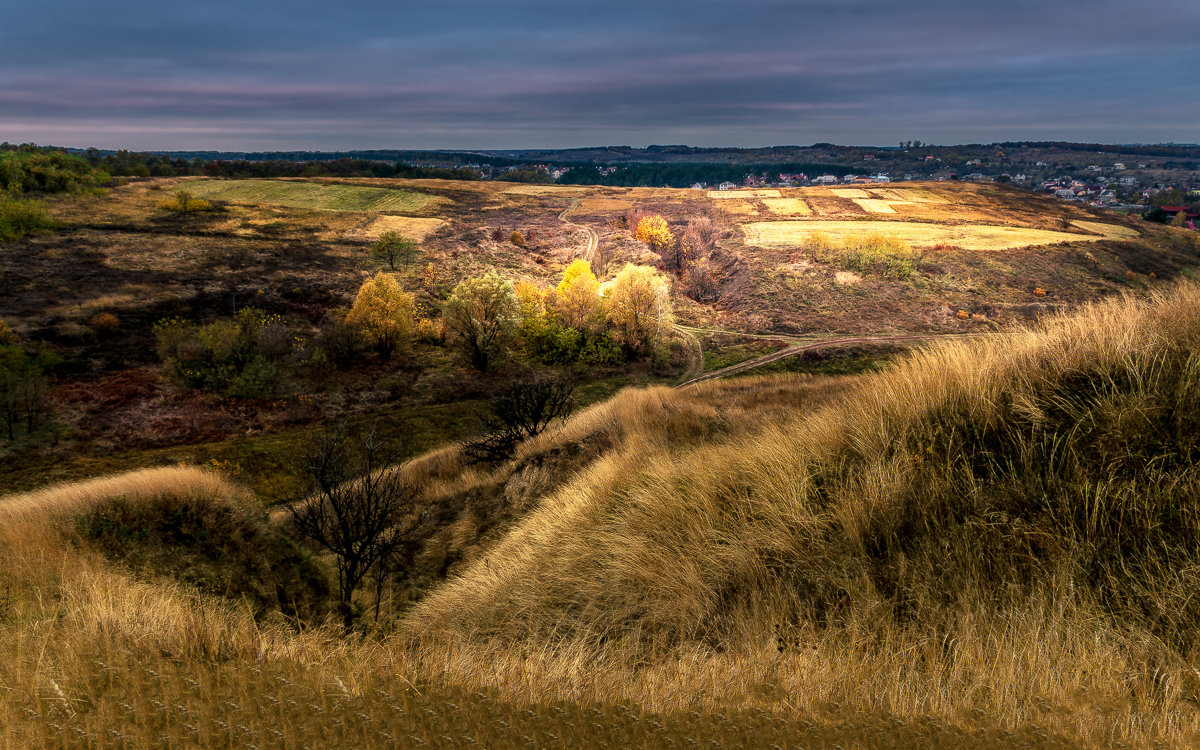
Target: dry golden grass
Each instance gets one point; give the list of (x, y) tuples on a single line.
[(985, 536), (778, 557), (743, 194), (740, 208), (605, 204), (909, 195), (787, 206), (966, 236)]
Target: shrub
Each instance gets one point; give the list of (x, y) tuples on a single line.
[(517, 239), (185, 203), (104, 323), (7, 336), (521, 412), (881, 255)]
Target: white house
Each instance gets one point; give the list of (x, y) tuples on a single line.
[(726, 186), (825, 179)]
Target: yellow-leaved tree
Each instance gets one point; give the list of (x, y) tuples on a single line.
[(578, 296), (639, 307), (653, 230), (384, 312)]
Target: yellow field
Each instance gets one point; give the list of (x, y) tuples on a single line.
[(730, 194), (877, 205), (966, 236), (1108, 230), (850, 193), (787, 206), (408, 226)]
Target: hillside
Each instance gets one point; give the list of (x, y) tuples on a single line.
[(992, 542)]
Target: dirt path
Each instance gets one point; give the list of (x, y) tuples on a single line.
[(799, 347), (593, 239)]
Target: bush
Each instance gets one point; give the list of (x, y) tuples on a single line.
[(521, 412), (185, 203), (240, 357), (517, 239), (881, 255), (384, 313), (104, 323), (20, 217)]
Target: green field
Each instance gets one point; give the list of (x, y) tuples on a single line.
[(311, 195)]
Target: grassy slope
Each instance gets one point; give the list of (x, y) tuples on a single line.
[(1005, 526), (323, 196), (1000, 535)]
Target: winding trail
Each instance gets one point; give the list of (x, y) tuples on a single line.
[(593, 238), (799, 347)]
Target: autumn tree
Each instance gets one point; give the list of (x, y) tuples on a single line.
[(578, 296), (481, 318), (653, 230), (384, 312), (639, 307), (393, 248)]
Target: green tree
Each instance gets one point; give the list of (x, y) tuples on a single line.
[(393, 248), (482, 316)]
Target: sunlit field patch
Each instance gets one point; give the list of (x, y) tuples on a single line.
[(1108, 230), (788, 206), (733, 194), (850, 193), (877, 205), (966, 236), (408, 226), (321, 196)]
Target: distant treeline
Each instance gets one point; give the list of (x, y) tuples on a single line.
[(686, 175), (1191, 151)]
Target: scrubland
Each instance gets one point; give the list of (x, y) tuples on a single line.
[(991, 542)]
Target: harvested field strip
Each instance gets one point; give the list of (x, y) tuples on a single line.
[(1108, 230), (408, 226), (877, 206), (729, 194), (743, 208), (546, 190), (910, 195), (605, 204), (850, 193), (966, 236), (293, 194), (788, 206)]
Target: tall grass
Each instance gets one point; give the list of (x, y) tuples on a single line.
[(994, 541), (1008, 526)]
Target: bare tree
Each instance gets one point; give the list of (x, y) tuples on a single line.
[(358, 507), (522, 411)]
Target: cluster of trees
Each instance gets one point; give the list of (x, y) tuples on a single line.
[(688, 255), (686, 175), (25, 170)]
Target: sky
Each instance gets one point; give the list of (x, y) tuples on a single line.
[(498, 74)]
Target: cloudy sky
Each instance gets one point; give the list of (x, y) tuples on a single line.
[(302, 74)]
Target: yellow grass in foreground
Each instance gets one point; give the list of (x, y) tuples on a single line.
[(966, 236)]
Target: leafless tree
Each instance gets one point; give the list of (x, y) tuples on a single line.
[(358, 506)]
